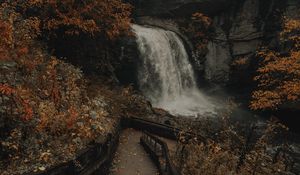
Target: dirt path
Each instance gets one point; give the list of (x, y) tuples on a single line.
[(130, 158)]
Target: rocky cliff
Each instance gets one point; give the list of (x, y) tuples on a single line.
[(240, 27), (178, 8)]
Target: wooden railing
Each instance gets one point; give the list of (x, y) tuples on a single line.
[(159, 152), (97, 158), (158, 129)]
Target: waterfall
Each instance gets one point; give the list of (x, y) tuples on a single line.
[(165, 74)]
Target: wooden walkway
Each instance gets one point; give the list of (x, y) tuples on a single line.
[(130, 158)]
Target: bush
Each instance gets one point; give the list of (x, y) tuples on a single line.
[(233, 149), (278, 76), (46, 115), (108, 18)]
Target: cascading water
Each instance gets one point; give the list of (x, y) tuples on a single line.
[(165, 75)]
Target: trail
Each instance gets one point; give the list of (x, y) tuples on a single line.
[(130, 158)]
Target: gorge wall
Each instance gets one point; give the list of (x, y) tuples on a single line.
[(240, 27)]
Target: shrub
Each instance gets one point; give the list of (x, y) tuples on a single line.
[(278, 75), (110, 18), (232, 152)]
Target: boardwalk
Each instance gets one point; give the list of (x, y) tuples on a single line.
[(130, 158)]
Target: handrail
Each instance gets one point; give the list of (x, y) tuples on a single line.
[(159, 152), (104, 151), (159, 129)]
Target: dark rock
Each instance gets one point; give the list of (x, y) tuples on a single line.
[(240, 31), (178, 8), (240, 25), (128, 55)]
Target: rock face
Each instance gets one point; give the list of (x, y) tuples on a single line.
[(239, 33), (218, 59), (178, 8), (241, 26), (240, 39)]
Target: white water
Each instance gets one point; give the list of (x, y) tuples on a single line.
[(165, 75)]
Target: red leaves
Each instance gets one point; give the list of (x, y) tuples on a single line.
[(198, 30), (52, 74), (110, 18), (73, 114), (6, 90), (25, 106), (22, 51), (5, 39), (27, 110), (201, 18)]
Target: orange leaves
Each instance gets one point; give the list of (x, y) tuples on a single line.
[(115, 18), (278, 80), (47, 93), (240, 61), (110, 18), (201, 18), (22, 51), (267, 55), (265, 99), (291, 32), (22, 98), (198, 29), (6, 90), (291, 25), (5, 39), (16, 37), (279, 75), (6, 32), (15, 95), (230, 151), (77, 25), (291, 89), (28, 111), (35, 25), (50, 79), (73, 114)]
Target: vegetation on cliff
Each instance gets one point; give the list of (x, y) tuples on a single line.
[(50, 110), (109, 18), (47, 112), (278, 75), (233, 148)]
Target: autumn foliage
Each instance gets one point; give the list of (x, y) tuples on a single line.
[(46, 114), (18, 102), (198, 30), (5, 35), (279, 72), (110, 18), (229, 150)]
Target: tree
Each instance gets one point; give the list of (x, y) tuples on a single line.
[(198, 29), (279, 72), (110, 18)]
